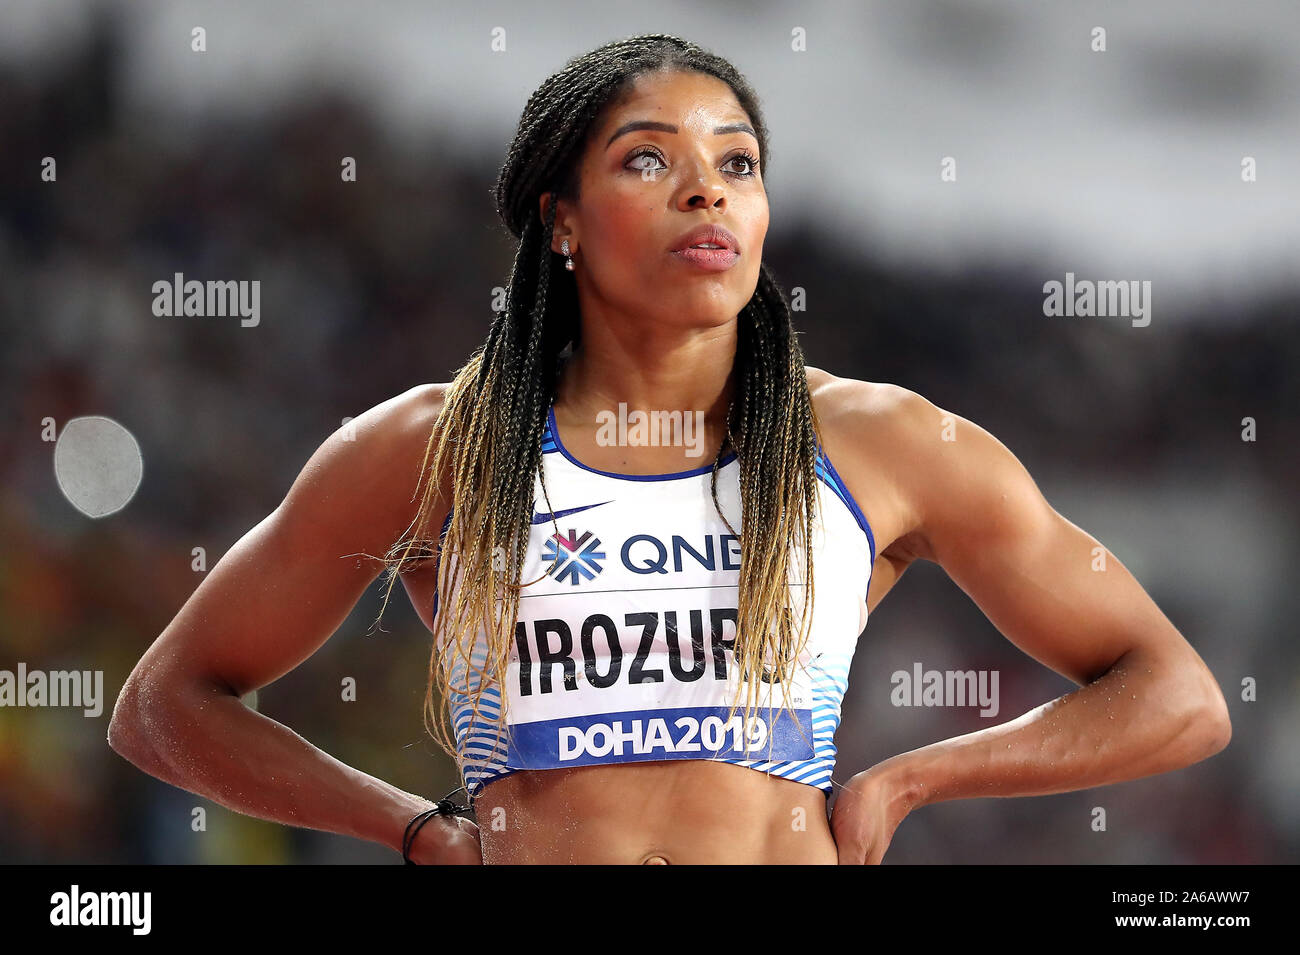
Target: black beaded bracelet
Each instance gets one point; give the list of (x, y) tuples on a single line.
[(443, 807)]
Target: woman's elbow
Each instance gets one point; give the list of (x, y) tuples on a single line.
[(1207, 714), (144, 711), (1195, 706), (125, 727), (1217, 721)]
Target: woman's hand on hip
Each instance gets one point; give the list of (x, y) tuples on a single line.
[(447, 840), (866, 813)]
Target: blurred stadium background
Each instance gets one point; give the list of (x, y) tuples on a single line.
[(1123, 164)]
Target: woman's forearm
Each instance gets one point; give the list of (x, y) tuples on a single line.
[(208, 742), (1143, 716)]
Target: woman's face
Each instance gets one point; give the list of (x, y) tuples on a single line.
[(643, 189)]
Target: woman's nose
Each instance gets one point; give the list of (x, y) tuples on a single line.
[(701, 193)]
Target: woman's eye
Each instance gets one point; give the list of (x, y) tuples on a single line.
[(750, 163), (643, 167)]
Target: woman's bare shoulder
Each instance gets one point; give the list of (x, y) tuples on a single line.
[(406, 424), (396, 431), (870, 430), (366, 478), (855, 402), (417, 408), (408, 418)]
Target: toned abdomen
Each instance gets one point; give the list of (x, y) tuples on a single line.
[(683, 812)]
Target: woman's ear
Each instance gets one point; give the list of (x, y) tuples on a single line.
[(562, 229)]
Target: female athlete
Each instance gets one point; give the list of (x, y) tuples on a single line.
[(616, 683)]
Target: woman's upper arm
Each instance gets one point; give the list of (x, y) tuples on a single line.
[(1047, 585), (284, 587)]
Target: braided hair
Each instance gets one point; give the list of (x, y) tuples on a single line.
[(488, 434)]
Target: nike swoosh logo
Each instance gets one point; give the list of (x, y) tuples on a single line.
[(539, 518)]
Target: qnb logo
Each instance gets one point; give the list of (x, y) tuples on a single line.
[(574, 558)]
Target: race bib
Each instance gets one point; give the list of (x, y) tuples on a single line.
[(597, 692)]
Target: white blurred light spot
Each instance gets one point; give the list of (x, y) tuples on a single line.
[(97, 464)]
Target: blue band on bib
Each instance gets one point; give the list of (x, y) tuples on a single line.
[(701, 732)]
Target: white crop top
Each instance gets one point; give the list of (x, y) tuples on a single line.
[(623, 653)]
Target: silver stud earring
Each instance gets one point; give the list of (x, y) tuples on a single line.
[(564, 250)]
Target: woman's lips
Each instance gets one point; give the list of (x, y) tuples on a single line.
[(711, 260)]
